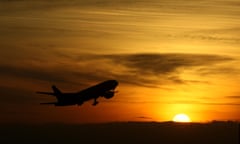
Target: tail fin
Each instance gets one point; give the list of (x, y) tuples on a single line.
[(56, 91)]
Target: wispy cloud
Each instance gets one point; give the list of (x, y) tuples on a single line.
[(31, 73), (147, 70), (166, 63), (144, 117), (205, 102), (233, 97), (169, 6), (216, 34)]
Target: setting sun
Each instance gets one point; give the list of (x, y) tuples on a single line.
[(181, 118)]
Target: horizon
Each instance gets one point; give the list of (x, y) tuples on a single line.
[(131, 132)]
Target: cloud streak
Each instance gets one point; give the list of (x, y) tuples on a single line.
[(146, 70), (233, 97)]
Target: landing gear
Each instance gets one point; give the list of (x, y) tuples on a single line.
[(95, 102)]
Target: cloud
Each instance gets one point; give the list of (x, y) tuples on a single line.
[(46, 4), (143, 117), (164, 5), (30, 72), (216, 34), (166, 67), (206, 7), (196, 102), (159, 64), (147, 70), (233, 97)]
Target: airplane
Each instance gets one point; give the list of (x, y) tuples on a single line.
[(104, 89)]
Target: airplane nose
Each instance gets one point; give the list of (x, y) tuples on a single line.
[(112, 83), (115, 82)]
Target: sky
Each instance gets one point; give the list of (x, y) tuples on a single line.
[(169, 57)]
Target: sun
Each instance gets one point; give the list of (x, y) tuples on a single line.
[(181, 118)]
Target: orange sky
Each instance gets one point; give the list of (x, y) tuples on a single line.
[(169, 57)]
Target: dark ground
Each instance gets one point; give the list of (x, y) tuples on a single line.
[(122, 133)]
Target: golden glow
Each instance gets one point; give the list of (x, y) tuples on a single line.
[(181, 118), (156, 53)]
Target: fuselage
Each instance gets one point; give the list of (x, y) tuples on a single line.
[(105, 89)]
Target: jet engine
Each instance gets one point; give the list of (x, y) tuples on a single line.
[(108, 94)]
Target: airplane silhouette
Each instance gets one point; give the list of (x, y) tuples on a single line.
[(104, 89)]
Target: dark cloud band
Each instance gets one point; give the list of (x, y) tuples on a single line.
[(146, 70)]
